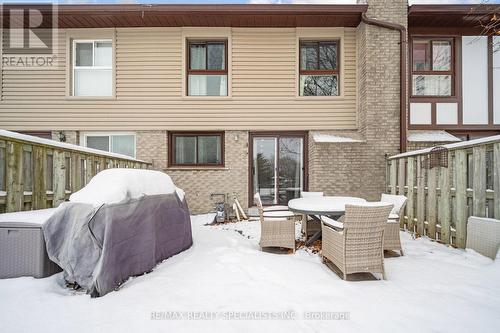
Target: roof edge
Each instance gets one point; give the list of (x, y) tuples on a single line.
[(296, 9), (460, 9)]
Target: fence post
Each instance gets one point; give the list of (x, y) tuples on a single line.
[(59, 178), (14, 175), (39, 194), (479, 183), (496, 179), (444, 202), (410, 207), (461, 197)]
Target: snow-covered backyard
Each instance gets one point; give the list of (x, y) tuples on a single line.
[(225, 276)]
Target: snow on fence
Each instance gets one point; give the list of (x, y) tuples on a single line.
[(440, 199), (38, 173)]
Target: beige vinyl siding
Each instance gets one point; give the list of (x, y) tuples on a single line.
[(149, 88)]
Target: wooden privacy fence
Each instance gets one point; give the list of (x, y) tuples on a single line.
[(39, 173), (440, 198)]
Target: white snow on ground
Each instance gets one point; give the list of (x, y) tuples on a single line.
[(118, 185), (432, 288)]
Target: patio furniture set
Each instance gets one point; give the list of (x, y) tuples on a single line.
[(354, 232)]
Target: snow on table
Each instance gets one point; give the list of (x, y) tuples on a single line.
[(432, 288)]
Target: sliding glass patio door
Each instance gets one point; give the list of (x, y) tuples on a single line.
[(277, 167)]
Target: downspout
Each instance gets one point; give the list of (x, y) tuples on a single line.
[(402, 70)]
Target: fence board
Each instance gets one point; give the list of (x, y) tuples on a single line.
[(444, 203), (410, 181), (89, 165), (393, 175), (479, 181), (59, 178), (431, 202), (39, 195), (496, 180), (401, 176), (420, 195), (76, 169), (14, 184), (461, 197)]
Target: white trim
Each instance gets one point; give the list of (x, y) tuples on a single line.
[(97, 68), (84, 135), (208, 34)]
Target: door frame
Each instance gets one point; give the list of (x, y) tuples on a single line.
[(277, 134)]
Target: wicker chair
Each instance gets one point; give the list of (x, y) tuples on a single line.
[(277, 228), (392, 239), (309, 227), (359, 246), (273, 208)]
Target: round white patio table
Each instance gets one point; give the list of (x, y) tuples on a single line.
[(316, 207)]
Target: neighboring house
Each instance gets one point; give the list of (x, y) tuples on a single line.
[(270, 98), (454, 81)]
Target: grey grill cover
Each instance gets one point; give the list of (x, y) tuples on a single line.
[(100, 248)]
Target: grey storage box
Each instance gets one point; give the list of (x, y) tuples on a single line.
[(22, 246)]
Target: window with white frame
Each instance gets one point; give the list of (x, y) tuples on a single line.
[(120, 143), (92, 68)]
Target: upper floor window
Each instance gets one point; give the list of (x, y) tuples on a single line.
[(432, 68), (195, 149), (319, 68), (120, 143), (92, 68), (207, 68)]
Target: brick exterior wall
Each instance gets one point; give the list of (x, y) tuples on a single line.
[(151, 146), (358, 169), (232, 179), (199, 183)]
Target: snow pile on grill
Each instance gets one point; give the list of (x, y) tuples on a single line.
[(120, 185)]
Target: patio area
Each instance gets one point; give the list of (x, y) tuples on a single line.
[(224, 275)]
